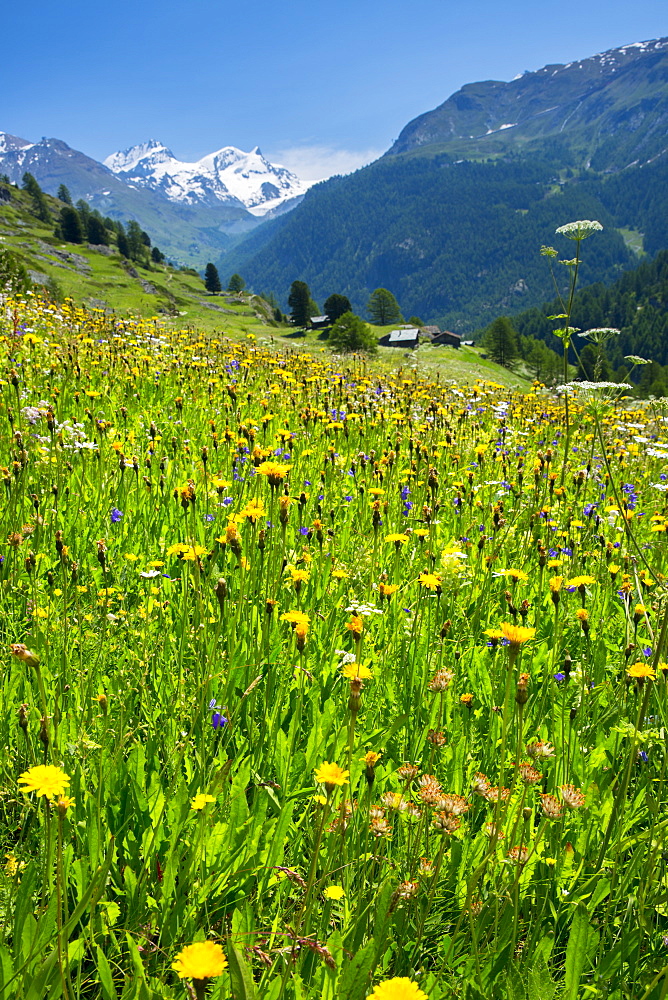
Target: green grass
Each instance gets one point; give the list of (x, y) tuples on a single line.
[(426, 590), (634, 240)]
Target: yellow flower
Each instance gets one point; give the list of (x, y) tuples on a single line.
[(555, 584), (352, 670), (201, 960), (193, 552), (387, 589), (581, 581), (177, 549), (430, 580), (253, 510), (339, 574), (295, 618), (334, 892), (399, 988), (298, 575), (371, 758), (516, 634), (45, 779), (582, 615), (274, 472), (641, 670), (398, 539), (330, 775), (201, 800), (356, 626)]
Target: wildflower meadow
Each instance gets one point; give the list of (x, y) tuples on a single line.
[(323, 679)]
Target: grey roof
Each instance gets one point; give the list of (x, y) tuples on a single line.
[(319, 319), (403, 336)]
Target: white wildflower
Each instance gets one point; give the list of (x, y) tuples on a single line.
[(579, 230)]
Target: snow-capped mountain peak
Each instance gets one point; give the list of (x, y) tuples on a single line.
[(228, 175)]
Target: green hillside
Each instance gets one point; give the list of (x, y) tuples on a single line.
[(636, 305), (457, 243), (452, 217), (100, 277)]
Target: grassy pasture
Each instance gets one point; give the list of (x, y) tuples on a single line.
[(352, 671)]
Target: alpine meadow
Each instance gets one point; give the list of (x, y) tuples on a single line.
[(335, 644)]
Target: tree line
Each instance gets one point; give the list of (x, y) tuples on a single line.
[(79, 223)]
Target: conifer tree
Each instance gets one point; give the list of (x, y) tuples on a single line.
[(383, 308), (97, 232), (500, 341), (40, 204), (211, 279), (71, 229), (336, 305), (300, 303), (64, 194)]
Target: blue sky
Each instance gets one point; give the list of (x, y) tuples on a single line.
[(320, 86)]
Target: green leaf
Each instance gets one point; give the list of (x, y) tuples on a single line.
[(581, 940), (241, 976), (106, 978), (353, 984), (539, 984), (6, 970)]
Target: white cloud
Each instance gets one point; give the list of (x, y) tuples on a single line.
[(317, 163)]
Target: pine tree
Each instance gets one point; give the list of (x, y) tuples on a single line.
[(40, 204), (136, 243), (97, 233), (236, 284), (501, 342), (211, 279), (122, 241), (64, 194), (335, 306), (157, 256), (71, 229), (300, 303), (383, 308)]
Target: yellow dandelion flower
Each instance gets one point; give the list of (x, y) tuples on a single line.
[(201, 960), (398, 539), (45, 779), (334, 892), (515, 574), (274, 471), (295, 618), (398, 988), (430, 580), (581, 581), (355, 626), (516, 635), (330, 775), (639, 671), (351, 670)]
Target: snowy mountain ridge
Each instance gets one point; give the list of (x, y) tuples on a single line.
[(228, 175)]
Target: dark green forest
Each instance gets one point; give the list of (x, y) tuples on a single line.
[(636, 305), (457, 243)]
